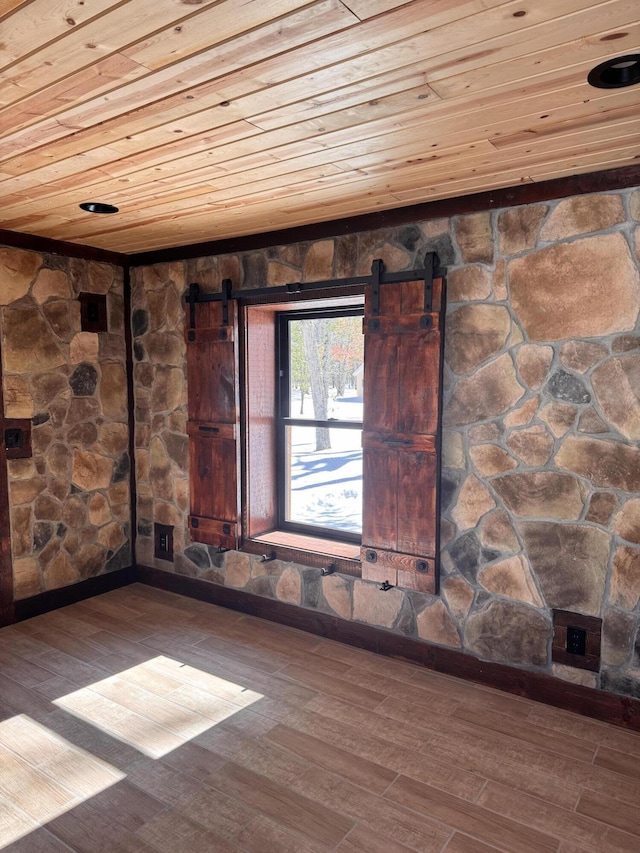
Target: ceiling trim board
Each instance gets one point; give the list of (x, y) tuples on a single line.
[(34, 243)]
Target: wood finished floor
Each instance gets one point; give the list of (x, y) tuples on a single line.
[(141, 721)]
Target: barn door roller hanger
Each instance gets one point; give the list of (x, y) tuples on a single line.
[(378, 277)]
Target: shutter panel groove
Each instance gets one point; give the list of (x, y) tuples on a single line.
[(213, 430), (400, 436)]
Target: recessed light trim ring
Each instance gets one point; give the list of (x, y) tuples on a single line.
[(616, 73), (98, 207)]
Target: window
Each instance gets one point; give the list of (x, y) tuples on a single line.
[(259, 479), (271, 512), (319, 422)]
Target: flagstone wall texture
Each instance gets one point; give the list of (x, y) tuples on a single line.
[(70, 501), (541, 455)]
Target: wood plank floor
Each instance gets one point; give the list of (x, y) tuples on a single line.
[(144, 722)]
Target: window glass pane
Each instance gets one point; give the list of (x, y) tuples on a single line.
[(326, 358), (324, 487)]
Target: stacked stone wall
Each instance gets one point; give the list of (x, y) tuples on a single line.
[(69, 502), (541, 459)]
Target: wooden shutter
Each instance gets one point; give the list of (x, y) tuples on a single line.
[(213, 428), (402, 358)]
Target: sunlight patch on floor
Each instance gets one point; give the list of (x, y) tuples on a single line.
[(158, 705), (42, 775)]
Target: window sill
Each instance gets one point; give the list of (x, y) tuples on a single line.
[(307, 550)]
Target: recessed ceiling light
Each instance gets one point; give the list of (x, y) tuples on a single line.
[(98, 207), (616, 73)]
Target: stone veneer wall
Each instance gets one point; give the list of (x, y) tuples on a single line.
[(541, 475), (70, 515)]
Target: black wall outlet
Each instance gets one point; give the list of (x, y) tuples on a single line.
[(163, 542), (93, 312), (576, 641)]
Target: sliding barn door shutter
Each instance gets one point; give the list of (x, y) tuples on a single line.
[(213, 427), (400, 433)]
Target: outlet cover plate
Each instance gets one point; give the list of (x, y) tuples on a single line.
[(568, 625), (163, 542)]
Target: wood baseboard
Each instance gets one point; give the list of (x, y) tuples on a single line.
[(611, 708), (53, 599)]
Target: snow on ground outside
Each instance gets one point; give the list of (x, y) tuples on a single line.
[(326, 485)]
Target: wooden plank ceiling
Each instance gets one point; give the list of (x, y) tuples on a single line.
[(206, 119)]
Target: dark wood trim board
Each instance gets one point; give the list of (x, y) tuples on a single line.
[(53, 599), (611, 708), (6, 563), (33, 243), (128, 343)]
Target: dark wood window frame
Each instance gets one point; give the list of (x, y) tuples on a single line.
[(232, 354), (285, 418), (259, 420)]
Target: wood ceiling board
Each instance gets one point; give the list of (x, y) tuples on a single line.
[(115, 70), (324, 118), (170, 94), (114, 200), (587, 164), (115, 146), (368, 8), (313, 207), (623, 155), (202, 198), (468, 128), (578, 54), (8, 6), (386, 106), (226, 20), (406, 185), (129, 129), (602, 123), (378, 33), (200, 182), (36, 24), (365, 129), (381, 57), (119, 169), (398, 80), (286, 41), (573, 20), (85, 45), (563, 146), (320, 158), (245, 190), (355, 96), (129, 98), (560, 98), (405, 179)]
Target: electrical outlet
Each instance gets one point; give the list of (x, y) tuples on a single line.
[(163, 542), (93, 312), (13, 439), (17, 438), (576, 641)]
